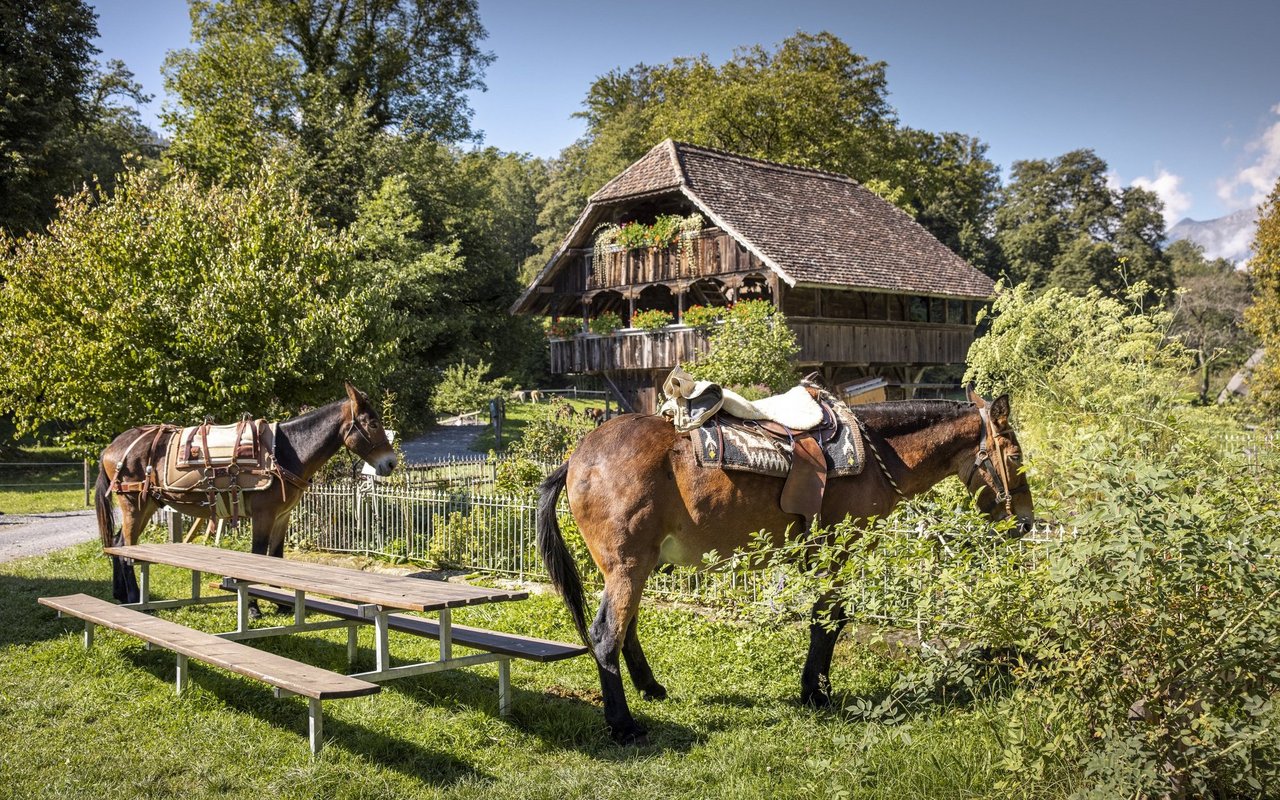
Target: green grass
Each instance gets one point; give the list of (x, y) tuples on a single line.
[(56, 489), (106, 723)]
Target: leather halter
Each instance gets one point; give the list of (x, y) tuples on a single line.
[(995, 474), (354, 426)]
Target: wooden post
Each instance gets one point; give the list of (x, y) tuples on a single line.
[(175, 526), (86, 483)]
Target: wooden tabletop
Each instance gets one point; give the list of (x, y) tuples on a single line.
[(391, 591)]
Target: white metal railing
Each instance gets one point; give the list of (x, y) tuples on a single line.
[(468, 527)]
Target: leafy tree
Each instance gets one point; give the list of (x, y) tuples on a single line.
[(1263, 314), (1061, 225), (171, 301), (60, 124), (812, 102), (752, 347), (1209, 309), (263, 73)]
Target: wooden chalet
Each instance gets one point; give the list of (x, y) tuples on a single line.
[(868, 291)]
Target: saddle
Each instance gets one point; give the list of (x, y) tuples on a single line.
[(830, 447), (221, 461)]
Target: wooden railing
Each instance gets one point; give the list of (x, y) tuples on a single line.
[(821, 341), (707, 254)]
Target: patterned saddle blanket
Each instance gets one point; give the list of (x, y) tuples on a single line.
[(832, 449), (740, 445)]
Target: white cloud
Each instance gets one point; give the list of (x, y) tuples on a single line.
[(1166, 186), (1251, 185)]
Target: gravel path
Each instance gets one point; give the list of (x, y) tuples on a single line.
[(34, 534), (444, 442)]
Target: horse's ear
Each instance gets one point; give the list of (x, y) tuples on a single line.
[(353, 393), (1000, 411), (973, 396)]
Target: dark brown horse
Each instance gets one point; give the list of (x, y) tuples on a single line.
[(130, 464), (641, 500)]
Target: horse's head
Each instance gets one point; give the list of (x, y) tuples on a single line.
[(994, 473), (363, 434)]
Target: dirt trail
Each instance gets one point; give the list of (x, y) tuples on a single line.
[(34, 534)]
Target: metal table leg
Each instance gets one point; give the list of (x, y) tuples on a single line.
[(446, 634), (504, 687), (315, 725)]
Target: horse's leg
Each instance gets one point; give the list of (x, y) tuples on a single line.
[(829, 618), (263, 538), (638, 665), (134, 515), (618, 604)]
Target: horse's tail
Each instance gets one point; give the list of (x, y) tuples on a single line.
[(102, 506), (555, 554)]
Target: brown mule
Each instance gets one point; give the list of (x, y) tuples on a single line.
[(302, 445), (641, 500)]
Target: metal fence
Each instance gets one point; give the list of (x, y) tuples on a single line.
[(47, 475), (473, 528)]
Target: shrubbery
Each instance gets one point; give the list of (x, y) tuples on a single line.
[(753, 346), (1138, 655), (464, 388), (548, 438), (172, 300)]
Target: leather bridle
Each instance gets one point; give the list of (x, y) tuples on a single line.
[(353, 426), (995, 473)]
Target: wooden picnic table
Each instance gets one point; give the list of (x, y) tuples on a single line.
[(376, 596), (360, 598)]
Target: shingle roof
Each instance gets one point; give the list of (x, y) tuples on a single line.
[(810, 226)]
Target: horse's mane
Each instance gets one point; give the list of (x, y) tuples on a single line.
[(907, 416)]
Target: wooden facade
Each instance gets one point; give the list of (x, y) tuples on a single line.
[(822, 342), (868, 292)]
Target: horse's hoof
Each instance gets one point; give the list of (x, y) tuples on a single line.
[(654, 691), (254, 613), (816, 699), (634, 736)]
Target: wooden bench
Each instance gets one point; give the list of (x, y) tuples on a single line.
[(286, 675), (506, 644)]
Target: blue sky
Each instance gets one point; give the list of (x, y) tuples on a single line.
[(1182, 97)]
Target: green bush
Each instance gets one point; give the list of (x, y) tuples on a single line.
[(1136, 656), (190, 301), (463, 388), (753, 346), (548, 438)]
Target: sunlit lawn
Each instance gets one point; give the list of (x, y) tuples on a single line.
[(106, 723), (59, 488)]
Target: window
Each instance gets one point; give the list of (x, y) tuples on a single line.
[(955, 312), (918, 309)]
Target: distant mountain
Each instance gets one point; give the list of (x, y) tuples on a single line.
[(1225, 237)]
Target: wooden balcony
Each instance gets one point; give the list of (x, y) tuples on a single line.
[(821, 342), (710, 253), (626, 350)]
